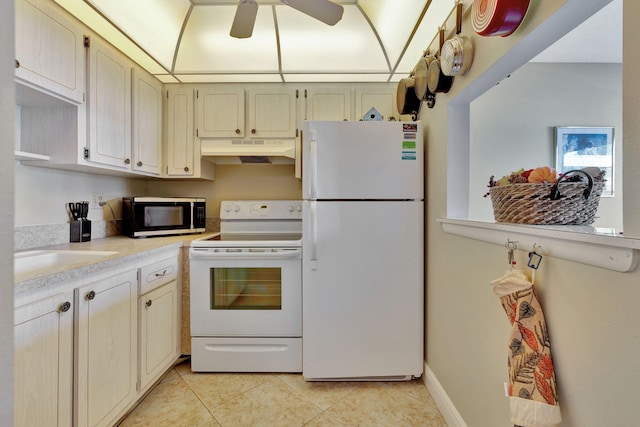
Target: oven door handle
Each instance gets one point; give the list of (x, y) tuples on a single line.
[(262, 253)]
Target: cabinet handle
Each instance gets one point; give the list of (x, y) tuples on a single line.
[(139, 163), (253, 131), (148, 303), (164, 273), (238, 131), (127, 161), (64, 307), (186, 168), (90, 295), (17, 64)]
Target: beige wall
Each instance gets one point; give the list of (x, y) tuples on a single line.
[(631, 112), (590, 311), (42, 194), (7, 103), (236, 182)]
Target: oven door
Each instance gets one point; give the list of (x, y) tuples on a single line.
[(246, 292)]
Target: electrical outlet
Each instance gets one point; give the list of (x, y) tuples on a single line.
[(96, 199)]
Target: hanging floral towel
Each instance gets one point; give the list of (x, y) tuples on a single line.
[(532, 380)]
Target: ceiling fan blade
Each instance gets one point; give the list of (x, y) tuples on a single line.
[(244, 20), (322, 10)]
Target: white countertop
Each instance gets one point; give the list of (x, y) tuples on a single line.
[(127, 249)]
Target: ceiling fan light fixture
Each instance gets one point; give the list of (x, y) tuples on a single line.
[(244, 19), (323, 10)]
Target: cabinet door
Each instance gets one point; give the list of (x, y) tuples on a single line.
[(43, 362), (146, 123), (106, 348), (220, 112), (180, 132), (49, 50), (328, 104), (109, 105), (272, 113), (159, 331), (382, 99)]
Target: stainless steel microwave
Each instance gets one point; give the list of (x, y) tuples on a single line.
[(162, 216)]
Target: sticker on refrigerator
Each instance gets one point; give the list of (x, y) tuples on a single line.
[(410, 127), (409, 150)]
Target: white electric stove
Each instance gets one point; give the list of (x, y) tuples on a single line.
[(246, 290)]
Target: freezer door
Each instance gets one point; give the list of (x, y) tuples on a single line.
[(363, 289), (362, 160)]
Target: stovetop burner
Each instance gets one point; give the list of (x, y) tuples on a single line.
[(261, 223), (234, 237)]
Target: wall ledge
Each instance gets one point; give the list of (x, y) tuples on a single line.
[(583, 244)]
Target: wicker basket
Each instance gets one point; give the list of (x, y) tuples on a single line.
[(531, 204)]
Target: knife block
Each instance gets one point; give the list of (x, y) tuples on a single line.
[(80, 231)]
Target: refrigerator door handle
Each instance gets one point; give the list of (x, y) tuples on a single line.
[(313, 223), (313, 169)]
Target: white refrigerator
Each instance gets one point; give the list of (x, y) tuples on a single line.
[(363, 250)]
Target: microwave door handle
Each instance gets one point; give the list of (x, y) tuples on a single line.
[(192, 205), (313, 223)]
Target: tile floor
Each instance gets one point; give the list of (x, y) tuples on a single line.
[(184, 398)]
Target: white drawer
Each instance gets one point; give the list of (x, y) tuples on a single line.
[(246, 354), (157, 274)]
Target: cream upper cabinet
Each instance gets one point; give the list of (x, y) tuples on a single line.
[(109, 105), (182, 146), (106, 349), (180, 132), (272, 112), (146, 123), (382, 99), (220, 110), (49, 50), (43, 362), (328, 103)]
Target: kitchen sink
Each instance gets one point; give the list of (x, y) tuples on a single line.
[(25, 262)]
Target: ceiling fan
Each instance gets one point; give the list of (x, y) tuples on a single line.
[(322, 10)]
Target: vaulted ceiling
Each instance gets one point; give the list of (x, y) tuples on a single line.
[(188, 40)]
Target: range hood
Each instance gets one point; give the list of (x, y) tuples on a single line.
[(237, 151)]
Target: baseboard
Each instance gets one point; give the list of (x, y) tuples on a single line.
[(445, 405)]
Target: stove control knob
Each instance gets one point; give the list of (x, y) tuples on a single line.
[(236, 208), (227, 208), (292, 208), (299, 208)]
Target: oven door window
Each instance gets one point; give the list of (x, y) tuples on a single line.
[(243, 288)]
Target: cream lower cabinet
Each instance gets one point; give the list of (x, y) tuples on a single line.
[(106, 349), (159, 325), (160, 319), (43, 364)]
